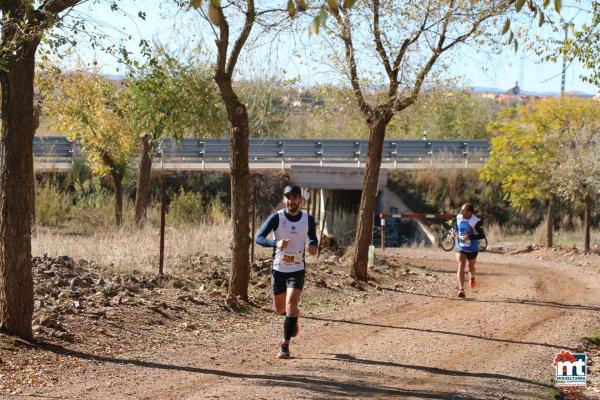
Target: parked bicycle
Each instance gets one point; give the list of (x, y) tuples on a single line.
[(448, 240)]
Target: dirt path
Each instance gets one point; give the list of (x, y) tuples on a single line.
[(498, 343)]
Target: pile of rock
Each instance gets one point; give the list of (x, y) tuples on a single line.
[(63, 287)]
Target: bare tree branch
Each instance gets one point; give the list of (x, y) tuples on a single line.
[(222, 45), (405, 45), (57, 6), (437, 51), (345, 23), (241, 40), (378, 43)]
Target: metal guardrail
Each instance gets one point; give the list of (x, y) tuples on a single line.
[(58, 148)]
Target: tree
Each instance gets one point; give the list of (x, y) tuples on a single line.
[(93, 110), (522, 155), (239, 133), (171, 95), (266, 112), (584, 45), (445, 113), (22, 26), (574, 40), (406, 41), (576, 170)]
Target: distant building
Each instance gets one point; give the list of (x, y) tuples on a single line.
[(514, 91)]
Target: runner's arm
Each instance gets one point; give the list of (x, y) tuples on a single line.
[(312, 231), (270, 225), (480, 234)]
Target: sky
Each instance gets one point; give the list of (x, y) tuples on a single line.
[(472, 68)]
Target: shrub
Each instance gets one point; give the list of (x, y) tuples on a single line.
[(94, 211), (186, 207), (52, 206)]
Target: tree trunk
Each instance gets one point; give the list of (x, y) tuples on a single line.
[(118, 182), (587, 221), (16, 180), (550, 221), (368, 198), (142, 194), (240, 179), (36, 124)]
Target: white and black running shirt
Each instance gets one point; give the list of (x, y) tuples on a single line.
[(296, 229)]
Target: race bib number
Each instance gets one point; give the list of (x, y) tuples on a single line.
[(464, 241), (291, 258)]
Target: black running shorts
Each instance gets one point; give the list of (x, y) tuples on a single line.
[(281, 281), (470, 256)]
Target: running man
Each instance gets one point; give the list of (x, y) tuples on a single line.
[(291, 228), (469, 229)]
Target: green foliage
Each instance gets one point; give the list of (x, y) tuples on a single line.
[(216, 212), (186, 207), (441, 113), (520, 157), (593, 337), (535, 9), (90, 109), (573, 36), (267, 115), (445, 114), (576, 170), (584, 46), (537, 150), (80, 175), (93, 211), (174, 95), (444, 191), (52, 205)]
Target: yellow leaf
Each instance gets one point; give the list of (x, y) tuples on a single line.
[(291, 8), (214, 14), (519, 5), (196, 4), (506, 26), (302, 5), (315, 25), (349, 3), (333, 6), (557, 5)]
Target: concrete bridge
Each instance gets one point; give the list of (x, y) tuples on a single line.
[(328, 169), (339, 189)]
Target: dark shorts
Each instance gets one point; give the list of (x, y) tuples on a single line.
[(281, 281), (470, 256)]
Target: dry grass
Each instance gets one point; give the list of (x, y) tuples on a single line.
[(567, 237), (129, 248)]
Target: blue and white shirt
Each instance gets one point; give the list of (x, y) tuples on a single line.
[(472, 227)]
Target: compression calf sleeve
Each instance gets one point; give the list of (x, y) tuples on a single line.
[(289, 326)]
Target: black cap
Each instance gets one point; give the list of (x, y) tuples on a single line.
[(293, 190)]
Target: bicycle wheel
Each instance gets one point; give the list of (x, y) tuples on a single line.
[(447, 241), (483, 244)]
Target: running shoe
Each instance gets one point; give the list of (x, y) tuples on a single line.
[(461, 293), (284, 351), (472, 283)]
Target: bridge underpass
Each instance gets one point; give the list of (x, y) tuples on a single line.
[(340, 189), (332, 169)]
